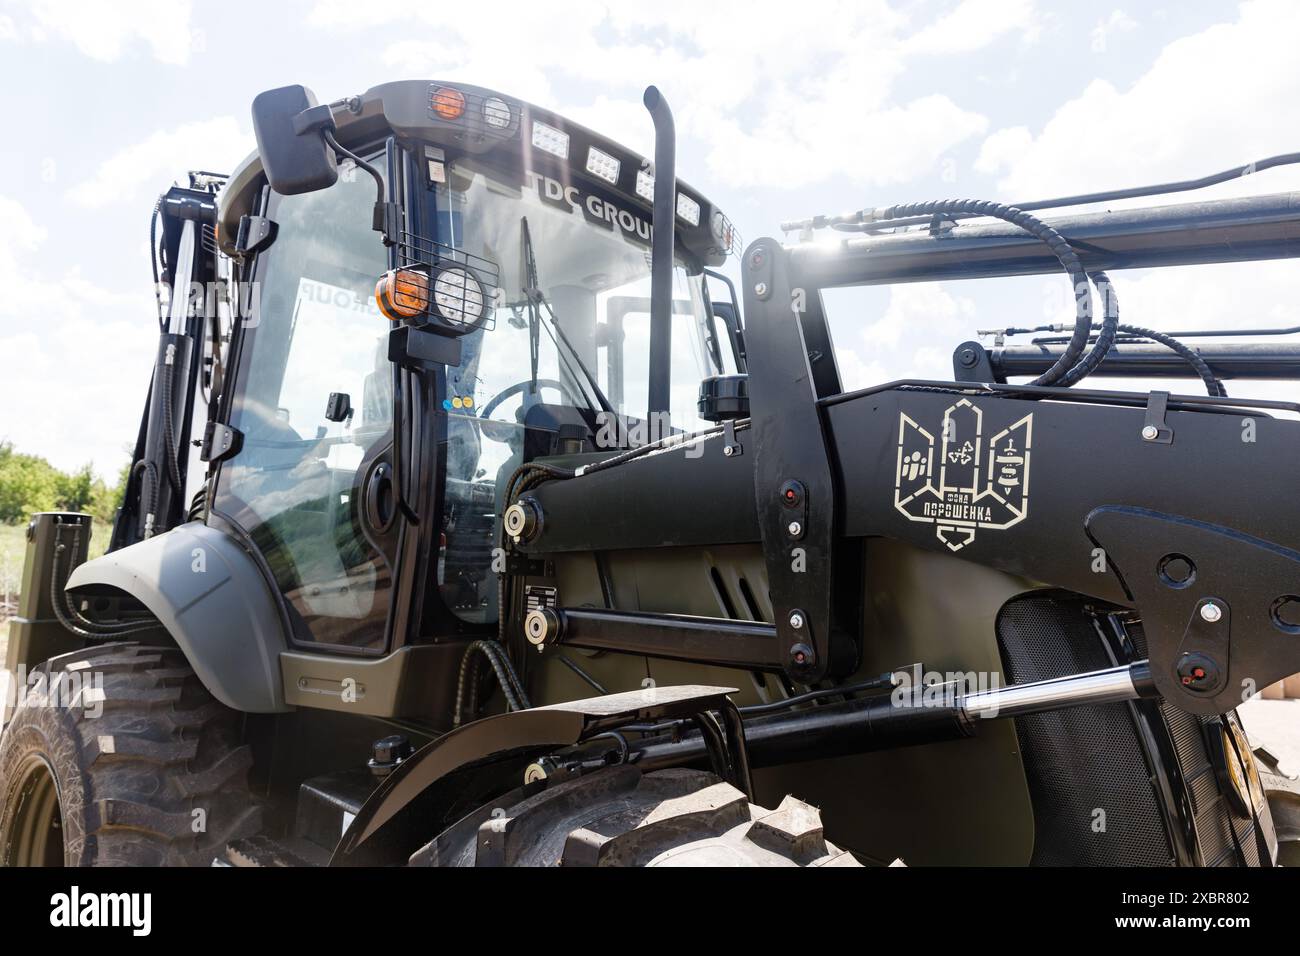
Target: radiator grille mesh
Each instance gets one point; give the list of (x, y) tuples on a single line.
[(1088, 758), (1084, 759)]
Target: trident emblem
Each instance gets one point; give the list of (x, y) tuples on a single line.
[(965, 482)]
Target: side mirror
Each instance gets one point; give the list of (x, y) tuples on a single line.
[(292, 146)]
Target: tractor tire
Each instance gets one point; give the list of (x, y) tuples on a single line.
[(143, 769), (622, 817)]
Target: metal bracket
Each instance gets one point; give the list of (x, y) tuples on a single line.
[(255, 234), (1154, 428), (941, 225), (1210, 597), (791, 454), (418, 350), (730, 447), (220, 442), (970, 363), (521, 565), (1206, 647)]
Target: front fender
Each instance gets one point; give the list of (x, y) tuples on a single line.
[(211, 596)]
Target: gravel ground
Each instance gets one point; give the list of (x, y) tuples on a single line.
[(1275, 725)]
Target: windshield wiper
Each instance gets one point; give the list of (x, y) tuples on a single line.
[(536, 300)]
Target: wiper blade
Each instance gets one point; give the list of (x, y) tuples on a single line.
[(536, 300)]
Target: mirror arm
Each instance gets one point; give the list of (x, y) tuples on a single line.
[(388, 215)]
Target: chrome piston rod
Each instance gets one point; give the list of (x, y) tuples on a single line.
[(1125, 682), (925, 714)]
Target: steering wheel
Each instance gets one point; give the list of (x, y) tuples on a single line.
[(502, 431)]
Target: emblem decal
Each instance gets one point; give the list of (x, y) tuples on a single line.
[(967, 482)]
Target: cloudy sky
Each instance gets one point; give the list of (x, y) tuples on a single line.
[(783, 110)]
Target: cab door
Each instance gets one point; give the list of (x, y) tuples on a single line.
[(311, 486)]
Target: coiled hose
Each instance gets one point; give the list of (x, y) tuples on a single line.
[(148, 491), (1108, 329), (1213, 384), (1054, 241), (467, 680), (67, 613), (169, 431)]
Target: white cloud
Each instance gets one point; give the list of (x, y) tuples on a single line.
[(18, 229), (857, 372), (777, 107), (1241, 294), (1117, 22), (1002, 148), (913, 337), (1208, 101), (974, 24), (1218, 98), (77, 356), (104, 31), (927, 308), (215, 145)]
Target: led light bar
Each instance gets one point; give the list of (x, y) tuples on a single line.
[(551, 140), (688, 209), (602, 164), (645, 186)]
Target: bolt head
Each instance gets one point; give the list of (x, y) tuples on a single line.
[(796, 621), (795, 529), (760, 288), (728, 451), (801, 655), (1211, 612), (1199, 673), (1150, 432)]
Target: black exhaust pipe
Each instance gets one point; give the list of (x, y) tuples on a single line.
[(661, 267)]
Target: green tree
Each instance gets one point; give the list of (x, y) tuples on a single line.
[(108, 498), (27, 484), (77, 490)]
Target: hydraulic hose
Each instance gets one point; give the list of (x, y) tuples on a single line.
[(511, 687), (66, 612), (148, 494), (169, 430), (1054, 241), (1106, 335), (855, 222), (153, 259), (1112, 327), (1212, 384)]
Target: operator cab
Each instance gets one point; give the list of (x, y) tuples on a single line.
[(516, 250)]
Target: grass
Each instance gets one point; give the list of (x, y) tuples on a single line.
[(13, 545), (13, 549)]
